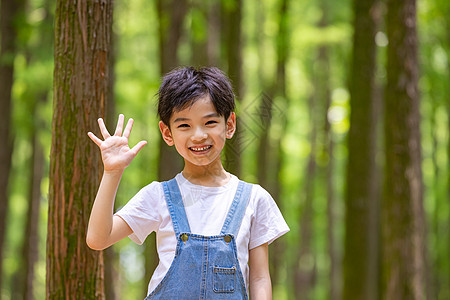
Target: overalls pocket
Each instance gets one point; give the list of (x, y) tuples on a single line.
[(224, 279)]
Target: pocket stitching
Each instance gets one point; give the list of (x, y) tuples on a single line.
[(224, 271)]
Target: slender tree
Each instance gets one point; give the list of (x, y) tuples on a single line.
[(324, 59), (82, 45), (30, 249), (448, 160), (214, 29), (305, 262), (306, 267), (171, 15), (10, 10), (360, 280), (198, 35), (36, 97), (447, 44), (404, 267), (232, 18), (269, 153)]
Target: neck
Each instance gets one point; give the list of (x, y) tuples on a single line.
[(210, 175)]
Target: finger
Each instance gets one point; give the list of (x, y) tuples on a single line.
[(126, 132), (95, 139), (119, 126), (103, 129), (138, 147)]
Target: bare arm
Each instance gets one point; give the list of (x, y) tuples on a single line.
[(260, 284), (104, 229)]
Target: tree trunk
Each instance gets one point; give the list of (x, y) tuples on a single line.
[(30, 249), (232, 25), (37, 97), (448, 177), (436, 284), (214, 30), (324, 61), (82, 45), (404, 268), (360, 251), (171, 17), (109, 254), (9, 11), (447, 26), (198, 35), (335, 266), (270, 155), (305, 264)]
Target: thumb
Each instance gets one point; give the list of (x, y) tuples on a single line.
[(135, 150)]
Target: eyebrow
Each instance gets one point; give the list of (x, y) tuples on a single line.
[(211, 115), (181, 120)]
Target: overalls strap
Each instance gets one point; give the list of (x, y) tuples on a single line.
[(237, 209), (176, 208)]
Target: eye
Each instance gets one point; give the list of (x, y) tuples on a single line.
[(183, 125), (211, 122)]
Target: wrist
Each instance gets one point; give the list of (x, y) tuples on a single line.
[(116, 172)]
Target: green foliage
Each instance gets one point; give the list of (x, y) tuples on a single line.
[(137, 74)]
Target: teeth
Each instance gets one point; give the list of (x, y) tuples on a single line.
[(200, 148)]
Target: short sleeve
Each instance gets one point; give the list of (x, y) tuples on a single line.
[(268, 223), (141, 213)]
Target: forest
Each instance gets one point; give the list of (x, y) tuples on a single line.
[(343, 112)]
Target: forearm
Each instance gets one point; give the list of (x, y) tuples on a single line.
[(260, 284), (101, 219), (261, 288)]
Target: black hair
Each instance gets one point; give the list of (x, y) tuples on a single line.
[(181, 87)]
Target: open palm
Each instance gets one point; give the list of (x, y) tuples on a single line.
[(116, 154)]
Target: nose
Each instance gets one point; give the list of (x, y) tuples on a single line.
[(199, 135)]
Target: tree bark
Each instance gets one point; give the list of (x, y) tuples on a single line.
[(109, 255), (404, 268), (360, 279), (9, 12), (82, 46)]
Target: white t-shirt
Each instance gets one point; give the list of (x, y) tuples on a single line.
[(206, 210)]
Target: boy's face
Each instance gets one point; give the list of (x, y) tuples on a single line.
[(198, 132)]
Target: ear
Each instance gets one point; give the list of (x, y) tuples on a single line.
[(231, 125), (166, 134)]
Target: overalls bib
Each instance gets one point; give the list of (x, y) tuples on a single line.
[(204, 267)]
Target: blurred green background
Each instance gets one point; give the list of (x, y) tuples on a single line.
[(303, 126)]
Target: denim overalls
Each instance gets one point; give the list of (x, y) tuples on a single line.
[(204, 267)]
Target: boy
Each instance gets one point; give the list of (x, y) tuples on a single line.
[(213, 230)]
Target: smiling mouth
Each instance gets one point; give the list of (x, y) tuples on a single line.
[(200, 149)]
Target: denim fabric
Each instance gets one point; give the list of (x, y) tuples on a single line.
[(204, 267)]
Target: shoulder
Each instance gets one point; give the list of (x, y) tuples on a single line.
[(151, 190), (258, 193), (147, 198), (267, 222)]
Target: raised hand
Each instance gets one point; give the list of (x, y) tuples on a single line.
[(116, 154)]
